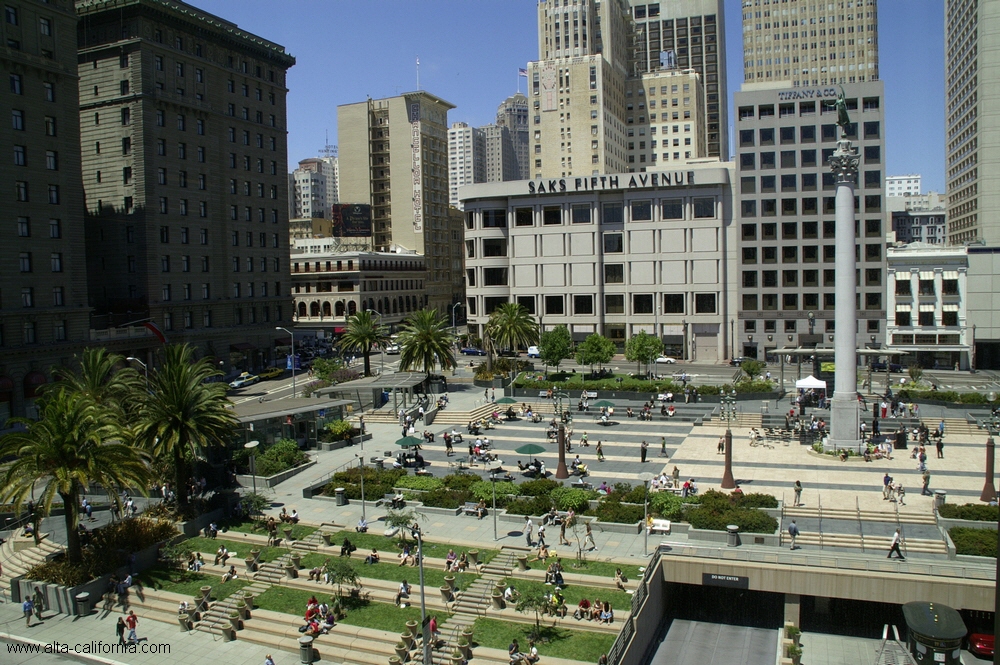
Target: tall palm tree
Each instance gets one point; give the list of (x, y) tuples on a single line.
[(66, 450), (182, 414), (102, 378), (425, 339), (363, 334), (511, 327)]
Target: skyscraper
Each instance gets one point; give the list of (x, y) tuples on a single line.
[(394, 155), (972, 116), (310, 189), (466, 158), (810, 43), (513, 115), (44, 315), (185, 172)]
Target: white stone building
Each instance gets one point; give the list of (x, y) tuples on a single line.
[(903, 185)]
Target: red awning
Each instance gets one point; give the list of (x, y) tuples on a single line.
[(339, 330), (32, 382), (241, 346)]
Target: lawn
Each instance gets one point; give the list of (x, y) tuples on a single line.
[(366, 541), (299, 531), (381, 616), (189, 583), (597, 568), (558, 642), (620, 601), (389, 569), (241, 549)]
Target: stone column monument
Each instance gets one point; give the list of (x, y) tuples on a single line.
[(844, 408)]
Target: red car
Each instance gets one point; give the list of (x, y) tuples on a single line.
[(981, 644), (980, 639)]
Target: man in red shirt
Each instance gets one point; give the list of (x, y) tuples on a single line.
[(131, 621)]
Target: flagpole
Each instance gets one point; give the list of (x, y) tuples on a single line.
[(418, 72)]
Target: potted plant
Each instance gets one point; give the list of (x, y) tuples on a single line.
[(185, 621), (795, 653), (255, 553), (338, 608), (234, 619), (497, 599), (465, 647), (291, 572), (467, 633), (457, 657), (248, 599), (450, 581), (474, 557), (411, 626), (402, 651), (395, 660), (406, 638), (242, 609), (328, 539), (228, 633), (793, 633), (296, 559), (522, 561), (446, 594), (288, 532), (251, 564), (205, 593)]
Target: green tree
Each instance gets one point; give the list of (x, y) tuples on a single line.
[(643, 349), (595, 350), (752, 368), (342, 571), (69, 447), (104, 380), (511, 327), (425, 339), (916, 373), (183, 414), (362, 333), (555, 346), (403, 520), (533, 600)]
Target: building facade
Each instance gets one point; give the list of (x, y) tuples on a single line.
[(927, 291), (972, 117), (924, 226), (393, 153), (330, 286), (809, 44), (984, 305), (185, 174), (44, 314), (787, 216), (614, 254), (309, 189), (689, 35), (466, 158), (903, 185), (512, 114)]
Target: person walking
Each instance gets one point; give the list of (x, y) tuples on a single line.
[(589, 538), (562, 533), (528, 526), (663, 446), (541, 535), (120, 630), (600, 452), (941, 429), (793, 533), (939, 444), (900, 494), (642, 451), (131, 621), (722, 445), (926, 477), (886, 486), (798, 493), (28, 607), (39, 602), (677, 477), (894, 547), (268, 660)]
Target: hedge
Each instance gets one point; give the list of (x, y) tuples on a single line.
[(749, 520), (970, 511), (944, 396), (378, 482), (975, 542), (425, 483)]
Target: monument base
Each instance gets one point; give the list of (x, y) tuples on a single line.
[(845, 424)]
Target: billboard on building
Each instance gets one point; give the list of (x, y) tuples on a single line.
[(351, 220)]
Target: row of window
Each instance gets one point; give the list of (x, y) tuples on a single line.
[(24, 227), (251, 290), (238, 318), (926, 319), (765, 136), (28, 297), (610, 213), (791, 325), (21, 158), (614, 303), (806, 108), (22, 192), (18, 123), (925, 287), (806, 159), (809, 230), (791, 207), (12, 16), (25, 263), (809, 301), (17, 87), (809, 253), (810, 278), (29, 332)]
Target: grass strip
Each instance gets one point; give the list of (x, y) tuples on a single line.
[(189, 583), (241, 549), (366, 541), (572, 594), (581, 645), (299, 531), (389, 569), (596, 568)]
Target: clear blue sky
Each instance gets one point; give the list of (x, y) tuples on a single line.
[(470, 51)]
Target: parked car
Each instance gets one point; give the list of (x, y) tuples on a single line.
[(666, 360), (271, 373), (243, 380), (878, 366), (507, 353), (533, 352), (392, 350), (981, 638), (739, 360), (469, 351)]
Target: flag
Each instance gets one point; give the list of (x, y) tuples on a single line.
[(522, 72), (153, 328)]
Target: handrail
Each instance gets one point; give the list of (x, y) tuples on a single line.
[(819, 508), (861, 528), (899, 525)]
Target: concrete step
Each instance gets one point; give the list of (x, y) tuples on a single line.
[(871, 543), (852, 515)]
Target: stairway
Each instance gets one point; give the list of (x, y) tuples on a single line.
[(28, 555), (868, 543)]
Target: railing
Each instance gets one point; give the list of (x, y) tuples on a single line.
[(861, 528), (621, 643), (819, 508), (624, 638)]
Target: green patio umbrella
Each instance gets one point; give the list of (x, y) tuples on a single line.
[(409, 442), (506, 400), (530, 449), (603, 403)]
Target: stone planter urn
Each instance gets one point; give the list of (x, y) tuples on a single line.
[(457, 657), (205, 593), (497, 599), (474, 557), (185, 622), (328, 539), (450, 581), (402, 651), (291, 572), (446, 594), (288, 532), (522, 562), (407, 639), (248, 599), (467, 634), (501, 585), (395, 660), (243, 611), (296, 560), (251, 564), (228, 633), (234, 619), (465, 647), (411, 627), (255, 553)]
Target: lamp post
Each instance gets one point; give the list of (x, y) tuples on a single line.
[(645, 477), (992, 425), (361, 459), (381, 355), (732, 338), (415, 530), (292, 336), (493, 480), (251, 446), (729, 414), (454, 330), (145, 369)]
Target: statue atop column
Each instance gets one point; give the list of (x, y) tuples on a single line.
[(844, 161), (843, 119)]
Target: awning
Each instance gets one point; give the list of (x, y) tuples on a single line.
[(926, 274), (339, 330), (949, 274), (927, 308), (241, 346), (949, 308), (283, 341), (903, 308), (810, 383)]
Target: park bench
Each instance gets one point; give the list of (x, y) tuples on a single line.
[(660, 526), (543, 394), (387, 498), (471, 508), (581, 484)]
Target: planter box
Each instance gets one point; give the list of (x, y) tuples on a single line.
[(421, 508), (495, 383), (616, 527), (949, 523), (196, 526), (337, 445), (271, 481), (766, 539)]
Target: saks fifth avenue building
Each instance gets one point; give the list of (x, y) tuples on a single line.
[(614, 254)]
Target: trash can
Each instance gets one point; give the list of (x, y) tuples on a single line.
[(341, 499), (940, 496), (733, 535), (82, 604), (379, 464), (305, 649)]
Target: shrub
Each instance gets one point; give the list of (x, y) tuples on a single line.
[(748, 519), (754, 387), (538, 505), (539, 487), (611, 510), (446, 498), (970, 511), (756, 500), (313, 386), (975, 542), (339, 430), (460, 481), (571, 498), (282, 455), (378, 482), (483, 491), (425, 483), (667, 505)]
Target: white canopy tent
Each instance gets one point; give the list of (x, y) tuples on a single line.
[(810, 383)]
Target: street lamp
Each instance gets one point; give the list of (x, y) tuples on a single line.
[(645, 477), (251, 445), (454, 330), (292, 336), (415, 531), (381, 355), (729, 414), (361, 459), (493, 480), (992, 425), (145, 369)]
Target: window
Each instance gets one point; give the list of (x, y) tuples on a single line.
[(704, 208), (612, 213), (674, 208), (551, 215), (24, 261), (642, 303), (641, 211), (24, 227), (583, 304), (614, 303), (614, 273), (56, 262), (581, 214), (873, 301), (704, 303), (10, 13), (16, 84), (17, 119), (29, 333), (20, 155), (614, 243), (673, 303), (54, 194), (57, 297), (21, 190), (50, 126), (554, 305)]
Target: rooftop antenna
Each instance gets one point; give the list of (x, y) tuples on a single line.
[(328, 150), (418, 72)]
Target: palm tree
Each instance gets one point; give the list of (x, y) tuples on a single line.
[(182, 414), (363, 334), (425, 339), (104, 380), (511, 327), (66, 450)]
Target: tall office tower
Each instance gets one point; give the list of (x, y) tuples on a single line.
[(44, 315), (394, 155), (787, 217), (689, 35), (466, 155), (310, 189), (810, 43), (331, 169), (498, 156), (183, 129), (972, 118), (513, 114), (903, 185)]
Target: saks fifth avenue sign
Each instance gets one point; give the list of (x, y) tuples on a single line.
[(612, 182)]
